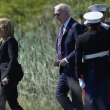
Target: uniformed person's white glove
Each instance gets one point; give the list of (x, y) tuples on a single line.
[(85, 23), (106, 26), (81, 83)]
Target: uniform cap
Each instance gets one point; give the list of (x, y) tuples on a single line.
[(98, 7), (93, 17)]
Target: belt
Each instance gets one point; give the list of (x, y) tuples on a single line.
[(100, 54)]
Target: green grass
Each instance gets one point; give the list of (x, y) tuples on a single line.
[(36, 31), (30, 13)]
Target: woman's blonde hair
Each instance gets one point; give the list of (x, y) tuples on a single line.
[(8, 26)]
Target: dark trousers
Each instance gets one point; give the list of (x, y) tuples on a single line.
[(64, 85), (96, 92), (9, 93)]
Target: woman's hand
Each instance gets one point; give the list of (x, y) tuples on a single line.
[(5, 81)]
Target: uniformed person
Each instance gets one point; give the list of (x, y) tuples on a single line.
[(98, 8), (94, 44)]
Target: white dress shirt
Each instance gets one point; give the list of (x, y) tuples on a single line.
[(65, 25)]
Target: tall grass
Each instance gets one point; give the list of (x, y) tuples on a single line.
[(37, 53)]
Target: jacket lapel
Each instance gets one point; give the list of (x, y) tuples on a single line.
[(1, 49), (68, 26), (66, 30)]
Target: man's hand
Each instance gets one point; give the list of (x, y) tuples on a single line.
[(63, 62), (5, 81), (56, 63)]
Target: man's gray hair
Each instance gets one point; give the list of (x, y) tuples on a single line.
[(63, 7)]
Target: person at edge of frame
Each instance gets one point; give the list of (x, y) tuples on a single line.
[(98, 8), (10, 70), (65, 47), (95, 45)]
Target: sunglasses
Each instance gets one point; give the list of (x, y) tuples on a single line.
[(58, 14)]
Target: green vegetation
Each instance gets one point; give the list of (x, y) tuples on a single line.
[(31, 13), (36, 31)]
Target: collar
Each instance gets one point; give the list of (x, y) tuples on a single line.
[(93, 29), (66, 24)]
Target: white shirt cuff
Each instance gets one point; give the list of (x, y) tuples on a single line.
[(106, 26), (66, 60)]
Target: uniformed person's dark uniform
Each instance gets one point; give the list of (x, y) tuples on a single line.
[(93, 41), (96, 70)]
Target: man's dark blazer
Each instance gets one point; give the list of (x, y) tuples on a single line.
[(93, 41), (68, 46), (9, 66)]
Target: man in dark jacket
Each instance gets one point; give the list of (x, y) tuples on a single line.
[(65, 47), (94, 45)]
